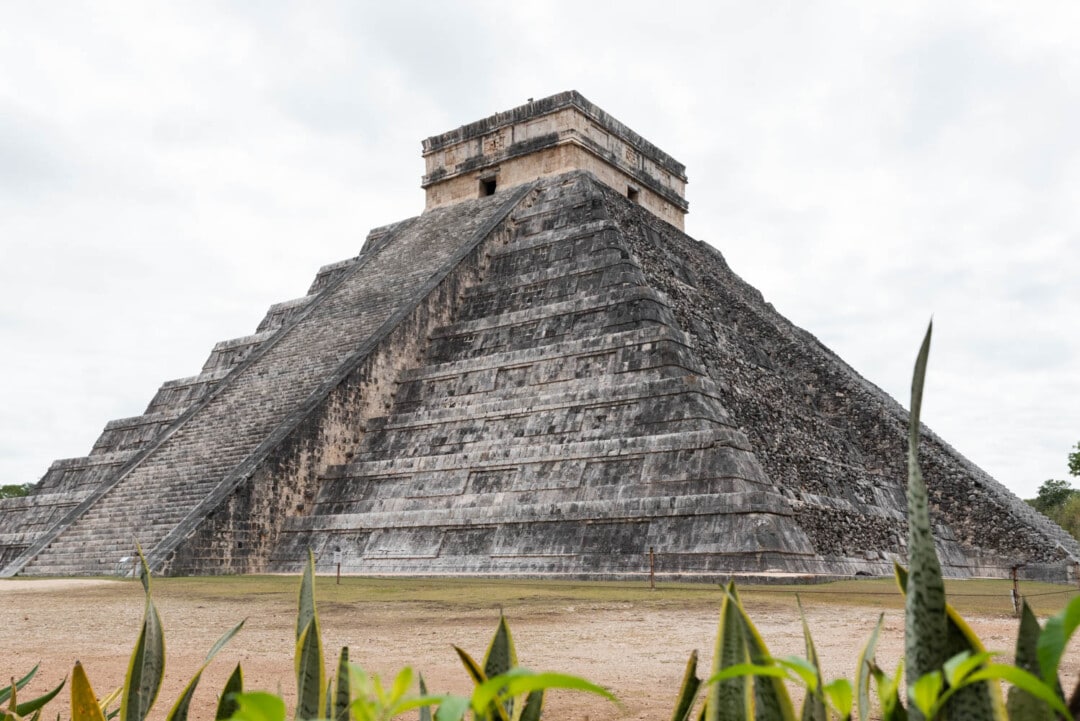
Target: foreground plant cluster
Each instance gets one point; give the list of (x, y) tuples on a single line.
[(946, 672)]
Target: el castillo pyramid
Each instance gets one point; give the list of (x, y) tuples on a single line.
[(539, 375)]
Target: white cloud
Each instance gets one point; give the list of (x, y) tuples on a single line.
[(168, 171)]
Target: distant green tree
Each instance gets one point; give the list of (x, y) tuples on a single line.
[(14, 490), (1052, 495), (1068, 515), (1074, 461)]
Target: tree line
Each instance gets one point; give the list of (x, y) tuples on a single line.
[(1059, 501)]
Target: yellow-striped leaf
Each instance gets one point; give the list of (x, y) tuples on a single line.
[(309, 672), (471, 666), (501, 655), (729, 699), (342, 697), (145, 669), (771, 699), (227, 705), (84, 704), (688, 690), (306, 602)]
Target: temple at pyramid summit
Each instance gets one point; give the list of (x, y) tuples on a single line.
[(540, 375)]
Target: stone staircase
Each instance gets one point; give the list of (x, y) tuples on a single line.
[(559, 424), (204, 433), (70, 481)]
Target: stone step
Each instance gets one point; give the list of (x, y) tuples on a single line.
[(612, 257), (547, 287), (556, 352), (523, 383), (578, 393), (594, 303), (613, 311), (469, 438), (391, 496), (177, 395), (521, 452), (280, 313), (747, 502), (130, 434), (79, 475), (229, 353), (329, 273), (526, 241)]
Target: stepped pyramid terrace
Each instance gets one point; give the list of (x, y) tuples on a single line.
[(542, 375)]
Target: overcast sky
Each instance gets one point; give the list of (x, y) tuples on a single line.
[(167, 171)]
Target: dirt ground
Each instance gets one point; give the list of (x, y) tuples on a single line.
[(635, 644)]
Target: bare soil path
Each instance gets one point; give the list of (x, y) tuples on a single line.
[(622, 636)]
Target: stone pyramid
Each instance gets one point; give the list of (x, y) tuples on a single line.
[(540, 375)]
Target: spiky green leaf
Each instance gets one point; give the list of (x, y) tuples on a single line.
[(146, 667), (309, 672), (227, 704), (864, 671), (425, 711), (471, 666), (688, 690), (925, 620), (306, 601), (1022, 705), (802, 670), (888, 688), (977, 702), (729, 698), (962, 664), (180, 709), (342, 696), (5, 692), (1055, 637), (534, 704), (144, 569), (1020, 678), (771, 700), (34, 705), (501, 655)]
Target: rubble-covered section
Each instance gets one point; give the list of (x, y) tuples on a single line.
[(835, 443)]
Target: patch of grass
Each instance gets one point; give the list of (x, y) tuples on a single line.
[(977, 596)]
